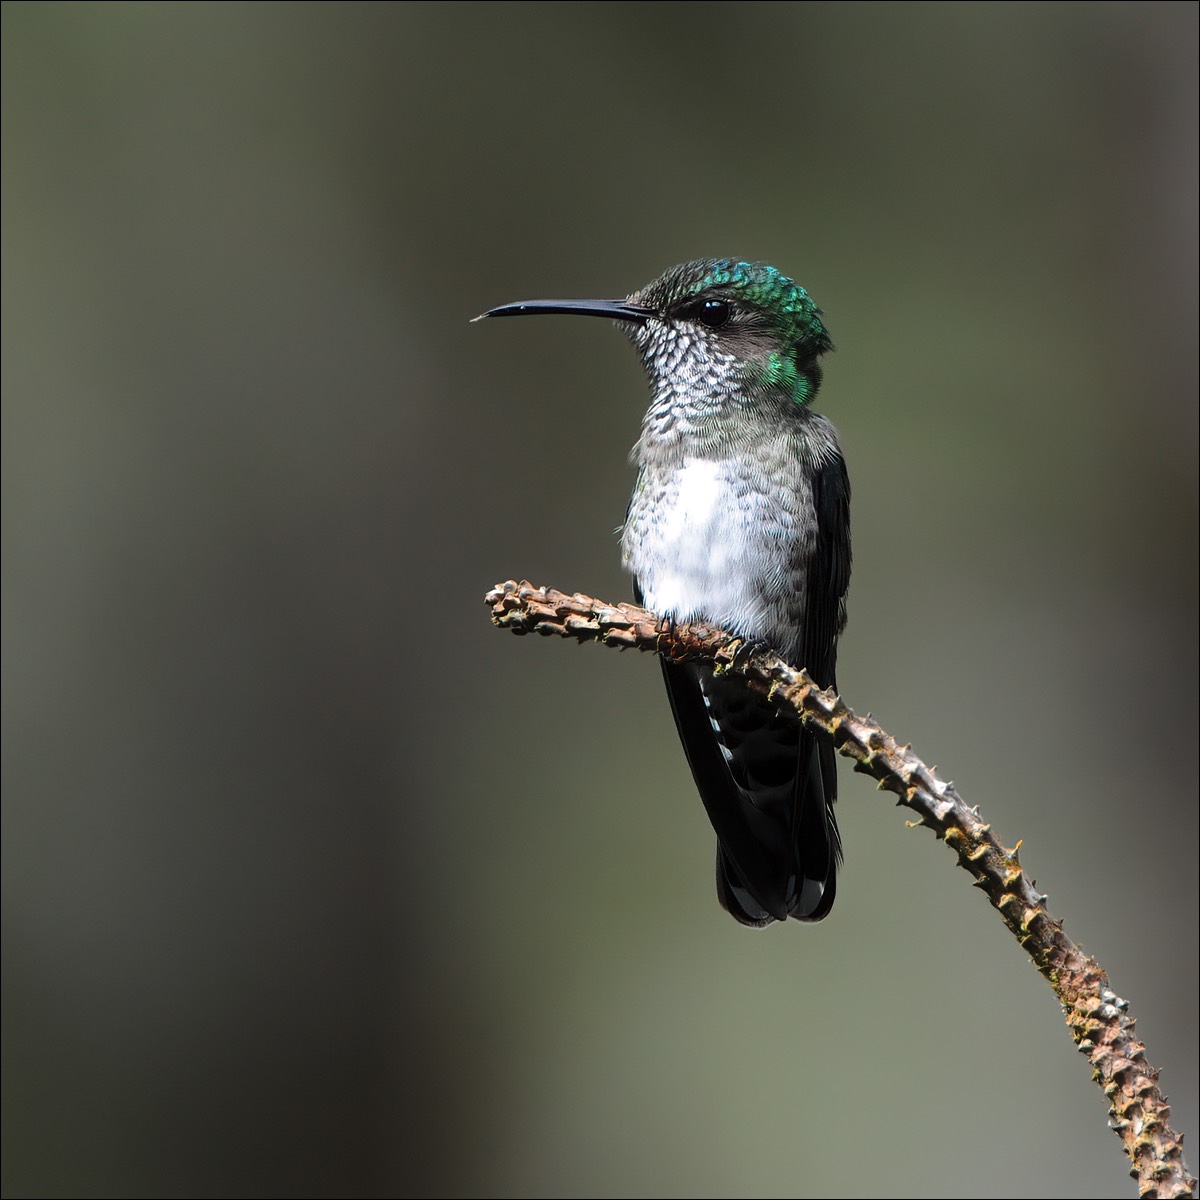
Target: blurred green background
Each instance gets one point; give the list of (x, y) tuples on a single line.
[(316, 884)]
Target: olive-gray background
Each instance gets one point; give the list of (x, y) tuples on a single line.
[(314, 883)]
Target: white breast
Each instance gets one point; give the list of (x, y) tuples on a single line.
[(704, 550), (695, 506)]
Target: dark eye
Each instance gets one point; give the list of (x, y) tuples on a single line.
[(714, 313)]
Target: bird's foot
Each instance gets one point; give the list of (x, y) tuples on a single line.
[(666, 629), (744, 650)]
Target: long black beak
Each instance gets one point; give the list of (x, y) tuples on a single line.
[(614, 310)]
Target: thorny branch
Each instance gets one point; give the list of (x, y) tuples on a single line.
[(1099, 1019)]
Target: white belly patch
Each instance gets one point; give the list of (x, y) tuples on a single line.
[(708, 549)]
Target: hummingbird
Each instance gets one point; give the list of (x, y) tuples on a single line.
[(740, 516)]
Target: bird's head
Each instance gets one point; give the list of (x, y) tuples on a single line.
[(723, 320), (719, 324)]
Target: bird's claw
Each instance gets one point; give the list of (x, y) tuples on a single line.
[(744, 650), (666, 628)]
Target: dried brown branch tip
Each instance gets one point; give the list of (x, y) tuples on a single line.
[(1097, 1017), (523, 608)]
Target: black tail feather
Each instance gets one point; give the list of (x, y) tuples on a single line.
[(768, 787)]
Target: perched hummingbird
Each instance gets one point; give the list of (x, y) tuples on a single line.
[(741, 517)]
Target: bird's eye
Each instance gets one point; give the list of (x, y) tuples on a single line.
[(714, 313)]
